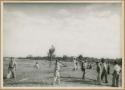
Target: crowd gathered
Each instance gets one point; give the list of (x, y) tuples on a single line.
[(103, 69)]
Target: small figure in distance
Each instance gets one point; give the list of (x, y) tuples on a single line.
[(36, 65), (75, 63)]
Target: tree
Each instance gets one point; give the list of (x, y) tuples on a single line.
[(65, 57), (51, 54), (29, 57), (80, 57)]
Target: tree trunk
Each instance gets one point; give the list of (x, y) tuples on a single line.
[(50, 61)]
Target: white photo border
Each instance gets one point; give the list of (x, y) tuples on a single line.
[(86, 1)]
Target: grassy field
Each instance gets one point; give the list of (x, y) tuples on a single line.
[(28, 76)]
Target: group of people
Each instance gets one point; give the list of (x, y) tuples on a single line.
[(102, 70)]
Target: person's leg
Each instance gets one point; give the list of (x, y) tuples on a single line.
[(98, 81), (9, 74), (106, 80), (58, 80), (113, 80), (109, 70), (55, 78), (83, 77), (102, 75), (37, 67), (8, 69), (117, 80), (12, 73), (75, 67), (99, 78), (54, 81)]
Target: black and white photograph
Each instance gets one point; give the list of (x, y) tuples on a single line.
[(54, 44)]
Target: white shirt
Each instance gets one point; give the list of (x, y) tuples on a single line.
[(117, 68), (85, 64), (104, 66), (74, 60)]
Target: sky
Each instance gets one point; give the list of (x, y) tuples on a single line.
[(89, 29)]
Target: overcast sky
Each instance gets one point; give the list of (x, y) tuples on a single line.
[(87, 29)]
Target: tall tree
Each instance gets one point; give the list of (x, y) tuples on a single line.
[(51, 54)]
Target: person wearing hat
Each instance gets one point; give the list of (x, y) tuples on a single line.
[(116, 74), (104, 71), (98, 69)]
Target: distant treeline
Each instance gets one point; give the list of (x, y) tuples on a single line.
[(70, 58)]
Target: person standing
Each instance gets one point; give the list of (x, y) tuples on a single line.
[(98, 69), (116, 74), (12, 68), (75, 64), (36, 65), (83, 68), (104, 71), (108, 67), (57, 73)]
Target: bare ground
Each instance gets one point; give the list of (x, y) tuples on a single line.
[(28, 76)]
